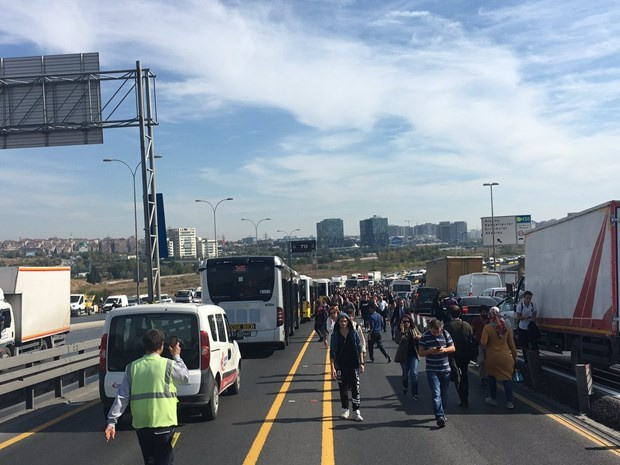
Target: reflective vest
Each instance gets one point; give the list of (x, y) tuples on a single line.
[(153, 398)]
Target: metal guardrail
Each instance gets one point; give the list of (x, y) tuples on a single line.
[(35, 368)]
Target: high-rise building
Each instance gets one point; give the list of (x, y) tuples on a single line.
[(330, 233), (460, 231), (374, 232), (444, 231), (184, 240), (426, 229)]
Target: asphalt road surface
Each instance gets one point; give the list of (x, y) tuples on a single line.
[(287, 413)]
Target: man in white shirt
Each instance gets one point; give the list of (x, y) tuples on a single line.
[(526, 315)]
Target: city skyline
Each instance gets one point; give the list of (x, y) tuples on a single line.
[(309, 110)]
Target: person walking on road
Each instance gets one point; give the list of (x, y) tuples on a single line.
[(436, 344), (407, 354), (478, 325), (347, 362), (501, 356), (528, 331), (462, 335), (330, 324), (320, 316), (359, 328), (149, 388), (376, 325), (398, 313)]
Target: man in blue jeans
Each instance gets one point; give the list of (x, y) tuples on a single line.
[(435, 345), (376, 325)]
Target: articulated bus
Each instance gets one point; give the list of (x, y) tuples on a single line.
[(259, 294), (307, 296), (323, 288)]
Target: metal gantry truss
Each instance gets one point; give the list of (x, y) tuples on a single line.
[(68, 108)]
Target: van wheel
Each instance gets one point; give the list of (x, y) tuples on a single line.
[(234, 388), (209, 411)]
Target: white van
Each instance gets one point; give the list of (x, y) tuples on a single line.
[(208, 348), (401, 285), (115, 301), (474, 284)]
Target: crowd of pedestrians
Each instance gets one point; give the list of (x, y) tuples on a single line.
[(448, 345)]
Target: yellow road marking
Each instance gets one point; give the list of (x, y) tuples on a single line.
[(327, 434), (175, 438), (261, 437), (40, 428), (575, 428)]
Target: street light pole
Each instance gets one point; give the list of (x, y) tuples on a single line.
[(490, 185), (256, 228), (290, 249), (214, 222), (135, 214)]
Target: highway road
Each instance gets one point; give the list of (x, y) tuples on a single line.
[(287, 413)]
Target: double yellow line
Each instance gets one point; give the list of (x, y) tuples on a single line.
[(327, 450)]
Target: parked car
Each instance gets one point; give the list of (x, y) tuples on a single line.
[(208, 347), (471, 306), (507, 309), (165, 299), (184, 296), (115, 301), (425, 298), (197, 299), (499, 292)]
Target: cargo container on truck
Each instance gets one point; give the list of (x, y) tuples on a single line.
[(34, 314), (572, 267), (443, 273)]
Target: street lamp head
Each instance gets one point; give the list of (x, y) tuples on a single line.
[(489, 184), (229, 198)]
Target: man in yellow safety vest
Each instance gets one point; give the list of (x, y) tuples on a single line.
[(148, 387)]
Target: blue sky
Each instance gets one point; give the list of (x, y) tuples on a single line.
[(305, 110)]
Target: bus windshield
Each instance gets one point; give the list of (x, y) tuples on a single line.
[(231, 281)]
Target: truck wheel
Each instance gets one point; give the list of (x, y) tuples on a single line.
[(44, 345), (5, 352)]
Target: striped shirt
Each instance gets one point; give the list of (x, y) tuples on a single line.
[(436, 362)]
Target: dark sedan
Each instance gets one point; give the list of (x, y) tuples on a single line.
[(471, 306)]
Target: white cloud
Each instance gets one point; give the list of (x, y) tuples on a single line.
[(524, 94)]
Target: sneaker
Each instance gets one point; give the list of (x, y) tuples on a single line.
[(357, 416), (345, 414), (370, 360), (510, 405), (415, 397), (441, 422), (491, 401), (389, 359)]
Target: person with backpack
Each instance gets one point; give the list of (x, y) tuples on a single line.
[(465, 344), (528, 331)]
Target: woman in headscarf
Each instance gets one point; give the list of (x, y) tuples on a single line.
[(501, 356)]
